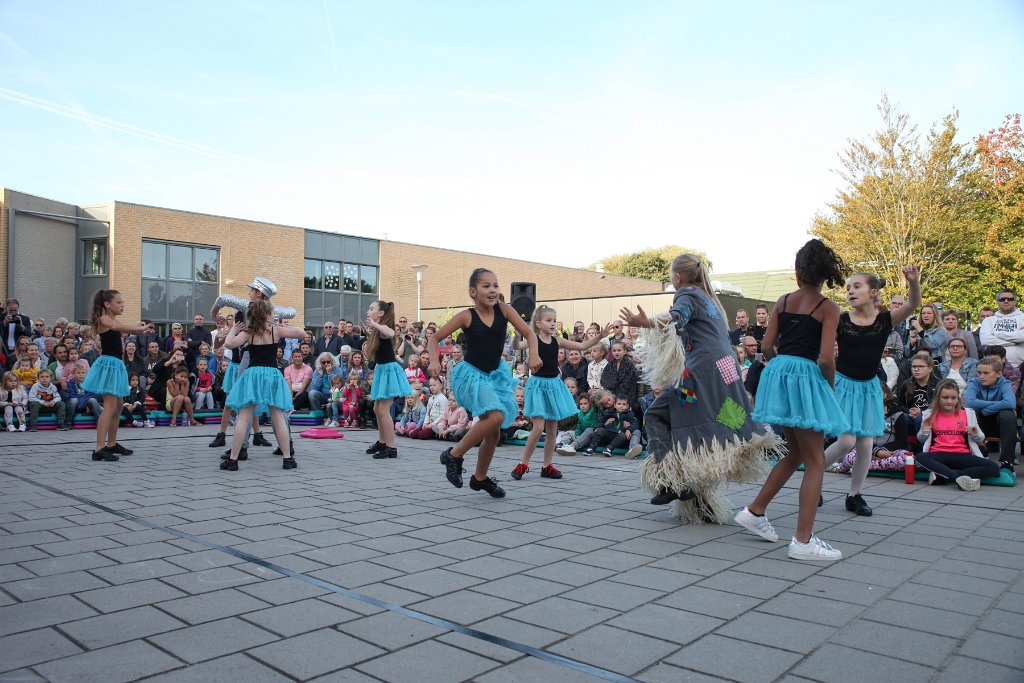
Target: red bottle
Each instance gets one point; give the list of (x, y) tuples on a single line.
[(908, 469)]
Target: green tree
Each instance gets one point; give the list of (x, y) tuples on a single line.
[(649, 264), (909, 200)]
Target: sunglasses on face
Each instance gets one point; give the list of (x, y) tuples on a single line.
[(1004, 299)]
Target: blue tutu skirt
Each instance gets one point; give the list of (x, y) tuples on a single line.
[(548, 398), (861, 403), (389, 381), (480, 392), (793, 393), (257, 385), (107, 376), (230, 377)]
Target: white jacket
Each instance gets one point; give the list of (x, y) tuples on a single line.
[(1005, 330), (437, 404), (925, 435)]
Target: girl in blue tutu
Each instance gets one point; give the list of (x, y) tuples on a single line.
[(389, 380), (482, 382), (261, 383), (547, 398), (862, 334), (795, 392), (108, 376)]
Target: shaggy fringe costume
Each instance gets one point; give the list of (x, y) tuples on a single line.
[(699, 430)]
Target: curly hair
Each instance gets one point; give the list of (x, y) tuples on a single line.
[(817, 263), (259, 313)]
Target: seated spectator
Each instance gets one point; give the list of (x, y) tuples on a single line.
[(951, 326), (413, 372), (1011, 373), (1006, 327), (617, 428), (202, 386), (351, 395), (915, 395), (930, 335), (437, 404), (57, 362), (14, 401), (983, 312), (206, 354), (80, 400), (163, 371), (74, 358), (26, 374), (646, 401), (950, 439), (595, 368), (576, 368), (620, 375), (332, 407), (357, 364), (306, 349), (888, 370), (367, 418), (45, 399), (134, 407), (153, 356), (178, 388), (88, 351), (990, 395), (135, 364), (959, 367), (320, 386), (521, 422), (280, 358), (413, 415), (299, 377)]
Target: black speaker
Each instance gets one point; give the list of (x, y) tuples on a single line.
[(523, 298)]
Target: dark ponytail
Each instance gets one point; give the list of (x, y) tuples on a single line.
[(817, 263)]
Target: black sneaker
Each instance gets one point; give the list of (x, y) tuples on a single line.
[(218, 440), (242, 454), (289, 464), (453, 468), (229, 465), (291, 449), (664, 498), (259, 440), (1008, 466), (856, 504), (821, 501), (377, 447), (105, 455), (386, 453), (490, 484), (119, 449)]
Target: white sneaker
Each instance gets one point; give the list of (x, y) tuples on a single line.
[(327, 422), (815, 550), (566, 450), (150, 423), (968, 484), (11, 427), (931, 478), (634, 451), (333, 424), (137, 423), (21, 427), (759, 525)]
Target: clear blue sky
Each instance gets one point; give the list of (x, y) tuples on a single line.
[(559, 131)]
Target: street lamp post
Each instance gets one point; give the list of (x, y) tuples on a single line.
[(419, 268)]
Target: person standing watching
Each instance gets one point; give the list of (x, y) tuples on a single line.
[(1005, 328)]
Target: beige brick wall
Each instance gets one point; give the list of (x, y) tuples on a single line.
[(247, 249), (446, 280), (3, 243)]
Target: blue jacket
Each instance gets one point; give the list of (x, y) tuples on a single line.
[(322, 381), (990, 400), (75, 390), (414, 417), (611, 414), (968, 371)]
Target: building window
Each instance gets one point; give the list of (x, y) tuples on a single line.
[(312, 279), (351, 279), (368, 281), (94, 261), (178, 280)]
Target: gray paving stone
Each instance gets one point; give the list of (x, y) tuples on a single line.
[(922, 618), (994, 648), (214, 639), (895, 641), (49, 586), (489, 567), (617, 596), (1001, 621), (26, 616), (614, 649), (345, 676), (129, 595), (968, 669), (34, 647), (14, 572), (710, 602), (569, 573), (283, 590), (21, 676), (196, 609), (812, 608), (116, 664), (464, 606), (120, 627), (522, 589), (300, 617), (780, 632), (315, 654), (536, 555), (837, 664), (204, 559), (666, 673), (391, 631), (714, 654), (844, 591), (746, 584), (427, 662), (559, 614), (210, 580), (693, 564), (533, 670), (666, 623)]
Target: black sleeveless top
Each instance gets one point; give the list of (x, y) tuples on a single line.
[(484, 344), (110, 344), (548, 357), (799, 333), (263, 355), (861, 346), (385, 352)]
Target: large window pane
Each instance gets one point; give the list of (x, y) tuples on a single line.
[(154, 260), (313, 314), (154, 300), (179, 302), (350, 309), (180, 262), (332, 275), (351, 278), (332, 306), (206, 265), (94, 257), (368, 282), (205, 295), (369, 251), (312, 278)]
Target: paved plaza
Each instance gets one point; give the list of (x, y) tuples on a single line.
[(163, 568)]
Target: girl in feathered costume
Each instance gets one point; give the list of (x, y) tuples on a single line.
[(699, 430)]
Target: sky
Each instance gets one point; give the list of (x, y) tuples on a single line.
[(557, 131)]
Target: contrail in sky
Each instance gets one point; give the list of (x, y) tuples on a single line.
[(330, 34), (102, 121)]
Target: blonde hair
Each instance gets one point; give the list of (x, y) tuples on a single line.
[(694, 271), (541, 311), (943, 386)]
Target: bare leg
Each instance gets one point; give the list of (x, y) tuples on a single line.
[(489, 422), (811, 443), (102, 419), (780, 474), (550, 429), (188, 409), (277, 419), (241, 425), (225, 419), (112, 406), (531, 441), (486, 451), (175, 408), (385, 425)]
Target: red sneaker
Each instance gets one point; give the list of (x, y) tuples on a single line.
[(549, 471), (519, 471)]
